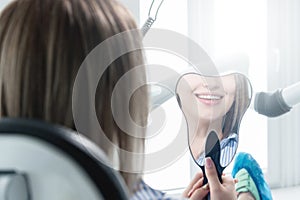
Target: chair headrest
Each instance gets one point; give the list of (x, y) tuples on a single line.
[(59, 152)]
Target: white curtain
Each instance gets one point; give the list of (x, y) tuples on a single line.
[(282, 60), (284, 70)]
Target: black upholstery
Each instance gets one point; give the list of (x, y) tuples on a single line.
[(82, 151)]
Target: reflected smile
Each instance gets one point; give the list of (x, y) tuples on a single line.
[(209, 99)]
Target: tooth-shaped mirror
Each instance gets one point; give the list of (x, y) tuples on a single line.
[(213, 103)]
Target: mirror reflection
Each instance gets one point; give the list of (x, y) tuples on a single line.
[(215, 103)]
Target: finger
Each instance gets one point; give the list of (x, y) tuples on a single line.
[(235, 181), (198, 175), (197, 185), (196, 178), (200, 193), (229, 180), (211, 173)]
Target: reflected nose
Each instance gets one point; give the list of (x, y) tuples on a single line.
[(211, 84)]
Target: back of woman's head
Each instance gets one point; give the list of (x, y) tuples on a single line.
[(42, 45)]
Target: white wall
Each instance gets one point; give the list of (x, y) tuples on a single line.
[(284, 70), (134, 7)]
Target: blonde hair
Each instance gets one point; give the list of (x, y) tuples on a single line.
[(42, 45)]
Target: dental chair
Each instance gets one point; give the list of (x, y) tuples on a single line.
[(41, 161)]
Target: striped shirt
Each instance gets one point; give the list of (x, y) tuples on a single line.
[(145, 192), (228, 148)]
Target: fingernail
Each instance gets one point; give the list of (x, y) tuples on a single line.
[(208, 162), (206, 187), (190, 193)]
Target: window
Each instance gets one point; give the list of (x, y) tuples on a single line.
[(237, 29), (171, 16)]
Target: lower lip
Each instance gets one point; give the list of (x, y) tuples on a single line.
[(210, 102)]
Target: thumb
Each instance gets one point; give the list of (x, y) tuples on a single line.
[(211, 174)]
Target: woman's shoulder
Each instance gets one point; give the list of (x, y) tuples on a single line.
[(233, 137), (145, 192)]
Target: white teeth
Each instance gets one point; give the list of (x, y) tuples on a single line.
[(209, 97)]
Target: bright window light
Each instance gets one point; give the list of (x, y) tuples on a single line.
[(171, 16), (241, 26)]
